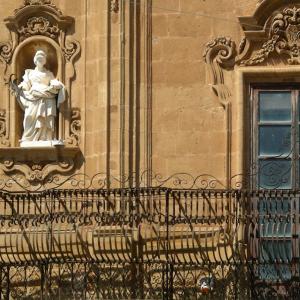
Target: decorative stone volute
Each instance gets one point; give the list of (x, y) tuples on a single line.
[(220, 54)]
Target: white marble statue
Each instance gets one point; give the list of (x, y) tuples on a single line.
[(41, 97)]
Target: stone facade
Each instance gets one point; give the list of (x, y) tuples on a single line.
[(142, 86), (158, 96)]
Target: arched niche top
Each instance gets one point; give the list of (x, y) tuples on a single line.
[(24, 53)]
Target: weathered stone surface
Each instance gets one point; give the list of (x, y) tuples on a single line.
[(142, 85)]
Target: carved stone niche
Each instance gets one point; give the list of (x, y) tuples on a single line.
[(38, 24)]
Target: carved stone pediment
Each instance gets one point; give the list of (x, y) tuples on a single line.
[(279, 37), (39, 2), (39, 18)]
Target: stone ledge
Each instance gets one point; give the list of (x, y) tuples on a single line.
[(38, 154), (36, 164)]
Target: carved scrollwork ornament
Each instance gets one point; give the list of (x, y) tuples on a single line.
[(6, 51), (3, 138), (75, 128), (219, 54), (71, 49), (38, 171), (38, 25), (283, 38)]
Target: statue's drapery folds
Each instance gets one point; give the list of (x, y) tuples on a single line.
[(42, 96)]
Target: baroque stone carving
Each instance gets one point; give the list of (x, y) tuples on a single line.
[(75, 128), (38, 2), (114, 6), (36, 171), (3, 139), (38, 25), (71, 49), (219, 54), (37, 164), (283, 38), (53, 25), (41, 21), (6, 51)]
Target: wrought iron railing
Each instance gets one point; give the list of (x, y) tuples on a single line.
[(149, 243)]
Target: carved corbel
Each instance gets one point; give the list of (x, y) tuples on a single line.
[(36, 165), (219, 54), (37, 171)]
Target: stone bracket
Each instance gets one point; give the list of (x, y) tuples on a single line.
[(219, 54), (37, 164)]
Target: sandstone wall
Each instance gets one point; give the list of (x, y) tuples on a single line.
[(141, 83)]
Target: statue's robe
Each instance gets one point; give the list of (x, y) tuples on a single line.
[(43, 94)]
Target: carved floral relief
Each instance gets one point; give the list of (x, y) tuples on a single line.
[(284, 38)]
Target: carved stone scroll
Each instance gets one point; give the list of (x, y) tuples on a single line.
[(75, 128), (220, 54)]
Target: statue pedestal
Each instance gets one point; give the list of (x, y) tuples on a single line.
[(38, 164), (41, 144)]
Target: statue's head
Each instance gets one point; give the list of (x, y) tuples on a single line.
[(40, 58)]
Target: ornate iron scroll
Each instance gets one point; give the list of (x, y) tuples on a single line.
[(148, 243)]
